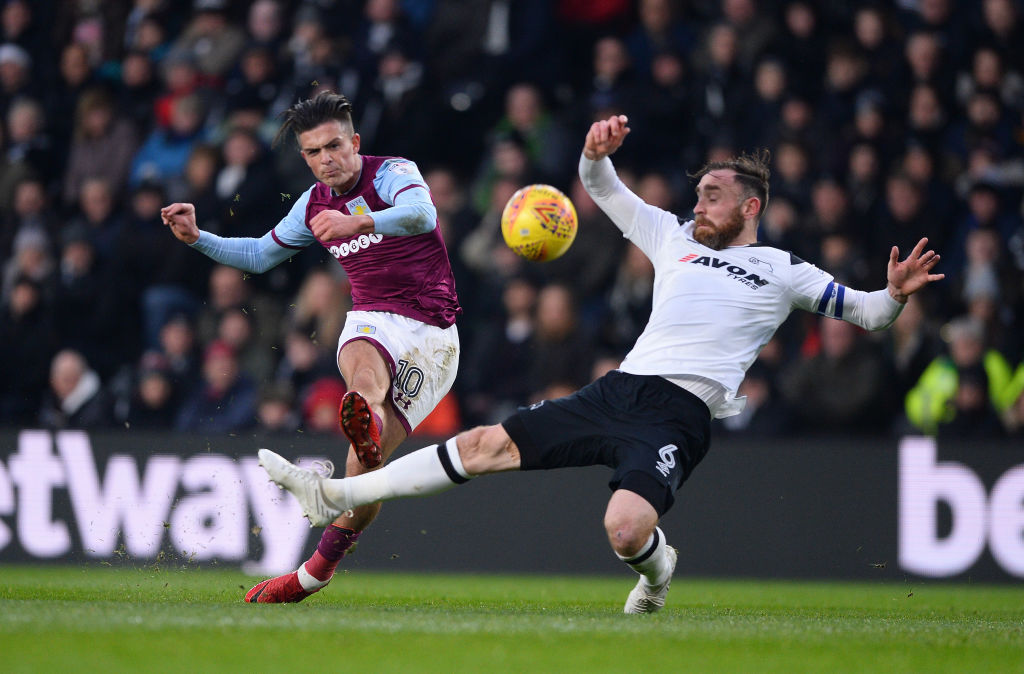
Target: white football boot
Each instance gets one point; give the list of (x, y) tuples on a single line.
[(305, 485), (646, 598)]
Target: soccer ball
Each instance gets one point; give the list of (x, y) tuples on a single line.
[(539, 223)]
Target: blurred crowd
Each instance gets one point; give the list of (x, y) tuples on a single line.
[(887, 121)]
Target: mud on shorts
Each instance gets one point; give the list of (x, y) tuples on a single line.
[(423, 359), (650, 431)]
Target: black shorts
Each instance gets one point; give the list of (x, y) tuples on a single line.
[(652, 432)]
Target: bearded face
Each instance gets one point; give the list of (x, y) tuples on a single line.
[(718, 235)]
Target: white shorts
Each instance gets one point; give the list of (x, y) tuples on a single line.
[(423, 359)]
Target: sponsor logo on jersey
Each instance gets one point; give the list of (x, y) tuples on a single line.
[(734, 271), (362, 242), (366, 329), (401, 167), (358, 206)]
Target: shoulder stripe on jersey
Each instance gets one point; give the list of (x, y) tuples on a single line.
[(825, 297), (409, 187), (281, 243), (840, 291), (793, 259)]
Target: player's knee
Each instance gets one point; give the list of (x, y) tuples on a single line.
[(626, 534), (472, 449), (484, 449), (371, 386)]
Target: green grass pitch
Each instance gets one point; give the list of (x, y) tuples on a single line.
[(103, 619)]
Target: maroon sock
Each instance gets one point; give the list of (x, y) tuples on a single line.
[(334, 543)]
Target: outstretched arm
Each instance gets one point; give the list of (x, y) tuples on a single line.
[(877, 310), (597, 175), (907, 277), (245, 253)]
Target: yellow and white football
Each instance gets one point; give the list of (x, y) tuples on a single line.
[(539, 223)]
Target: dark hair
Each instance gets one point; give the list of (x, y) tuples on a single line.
[(752, 173), (312, 112)]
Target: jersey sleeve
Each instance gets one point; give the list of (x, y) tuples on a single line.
[(399, 184), (397, 176), (818, 291), (645, 225), (815, 290), (259, 255), (291, 232)]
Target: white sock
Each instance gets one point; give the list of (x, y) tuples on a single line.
[(308, 581), (652, 563), (426, 471), (452, 450)]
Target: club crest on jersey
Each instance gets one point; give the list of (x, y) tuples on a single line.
[(734, 271), (366, 329), (754, 260), (358, 206)]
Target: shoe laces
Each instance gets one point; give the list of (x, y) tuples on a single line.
[(324, 468)]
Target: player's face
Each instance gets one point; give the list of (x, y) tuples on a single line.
[(718, 215), (331, 152)]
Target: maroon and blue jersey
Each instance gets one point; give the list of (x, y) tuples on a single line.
[(406, 275)]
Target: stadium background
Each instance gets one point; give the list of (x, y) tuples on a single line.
[(887, 121)]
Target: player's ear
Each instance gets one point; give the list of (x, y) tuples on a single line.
[(356, 141), (751, 207)]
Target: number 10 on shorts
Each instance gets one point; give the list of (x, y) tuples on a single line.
[(408, 380)]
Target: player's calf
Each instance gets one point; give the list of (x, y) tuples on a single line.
[(312, 576), (655, 563)]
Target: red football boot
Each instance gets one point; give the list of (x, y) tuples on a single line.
[(281, 590), (356, 419)]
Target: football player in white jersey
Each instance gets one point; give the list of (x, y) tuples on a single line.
[(719, 296)]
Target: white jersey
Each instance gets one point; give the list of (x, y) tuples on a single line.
[(714, 310)]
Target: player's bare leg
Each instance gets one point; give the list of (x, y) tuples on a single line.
[(631, 524), (369, 389), (630, 520), (430, 470), (365, 372)]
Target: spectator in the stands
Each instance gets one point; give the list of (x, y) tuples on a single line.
[(103, 145), (226, 399), (26, 345), (76, 397)]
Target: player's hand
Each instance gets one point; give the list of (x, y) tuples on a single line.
[(605, 137), (330, 225), (912, 274), (181, 218)]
